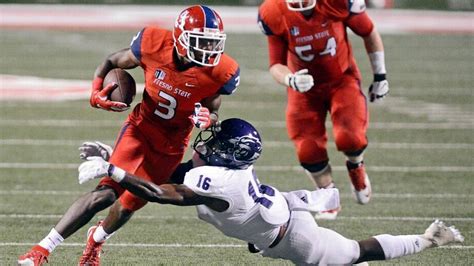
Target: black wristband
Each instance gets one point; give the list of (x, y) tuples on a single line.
[(379, 77), (110, 171)]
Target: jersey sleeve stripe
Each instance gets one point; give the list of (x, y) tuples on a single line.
[(264, 27), (231, 85), (136, 45)]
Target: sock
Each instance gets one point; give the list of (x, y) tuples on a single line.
[(100, 235), (355, 160), (398, 246), (323, 176), (51, 241)]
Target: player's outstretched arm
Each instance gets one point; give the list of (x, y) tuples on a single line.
[(97, 167)]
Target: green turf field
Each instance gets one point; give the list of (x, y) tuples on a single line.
[(420, 156)]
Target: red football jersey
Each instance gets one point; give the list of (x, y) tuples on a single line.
[(318, 43), (170, 93)]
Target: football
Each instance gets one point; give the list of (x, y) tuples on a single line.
[(126, 90)]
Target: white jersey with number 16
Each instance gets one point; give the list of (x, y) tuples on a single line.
[(255, 211)]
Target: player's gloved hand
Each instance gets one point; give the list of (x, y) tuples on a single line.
[(300, 81), (379, 88), (96, 148), (96, 167), (201, 117), (99, 96)]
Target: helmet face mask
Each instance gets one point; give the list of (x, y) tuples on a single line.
[(199, 35), (203, 49), (237, 145), (300, 5)]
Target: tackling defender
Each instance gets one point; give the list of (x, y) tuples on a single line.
[(310, 53), (181, 67), (229, 196)]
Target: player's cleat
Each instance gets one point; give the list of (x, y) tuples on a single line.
[(91, 254), (360, 183), (327, 215), (35, 257), (439, 234)]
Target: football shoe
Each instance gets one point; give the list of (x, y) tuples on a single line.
[(91, 254), (327, 215), (35, 257), (440, 235), (360, 183)]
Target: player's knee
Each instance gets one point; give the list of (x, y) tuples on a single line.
[(129, 203), (102, 198), (315, 167), (311, 152), (349, 141)]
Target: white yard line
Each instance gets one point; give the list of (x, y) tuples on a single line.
[(237, 19), (269, 168), (139, 245), (433, 112), (187, 217), (268, 144), (173, 245), (68, 123), (393, 169), (375, 195)]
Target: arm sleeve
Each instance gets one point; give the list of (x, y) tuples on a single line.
[(277, 50), (360, 24)]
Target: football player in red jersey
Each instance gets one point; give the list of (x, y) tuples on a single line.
[(185, 71), (310, 53)]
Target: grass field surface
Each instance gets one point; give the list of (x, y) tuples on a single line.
[(420, 155)]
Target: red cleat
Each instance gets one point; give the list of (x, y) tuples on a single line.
[(360, 183), (91, 254), (35, 257)]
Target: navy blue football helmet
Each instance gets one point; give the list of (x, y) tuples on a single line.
[(234, 144)]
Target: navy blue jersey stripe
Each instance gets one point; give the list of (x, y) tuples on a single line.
[(263, 27), (231, 85), (122, 131), (211, 19), (136, 45)]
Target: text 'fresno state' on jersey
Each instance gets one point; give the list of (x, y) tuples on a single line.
[(320, 42), (170, 93)]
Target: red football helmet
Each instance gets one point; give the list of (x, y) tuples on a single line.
[(199, 35), (300, 5)]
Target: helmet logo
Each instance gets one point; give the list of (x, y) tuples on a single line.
[(182, 20)]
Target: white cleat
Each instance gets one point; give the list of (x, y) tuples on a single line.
[(363, 196), (360, 183), (440, 235)]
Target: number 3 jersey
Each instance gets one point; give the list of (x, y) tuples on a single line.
[(171, 90), (319, 42), (255, 211)]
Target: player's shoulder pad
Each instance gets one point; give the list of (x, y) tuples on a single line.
[(206, 180), (227, 73), (356, 6), (148, 41), (269, 18)]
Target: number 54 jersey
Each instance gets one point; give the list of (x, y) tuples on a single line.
[(171, 90), (319, 42), (255, 211)]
